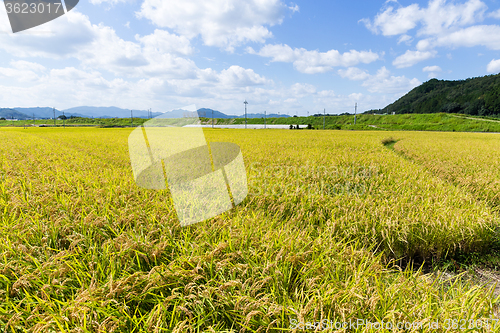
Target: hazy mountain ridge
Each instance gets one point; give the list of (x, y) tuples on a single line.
[(12, 114), (115, 112)]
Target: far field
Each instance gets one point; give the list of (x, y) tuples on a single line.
[(404, 122), (400, 227)]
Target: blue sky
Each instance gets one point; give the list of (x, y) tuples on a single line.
[(287, 57)]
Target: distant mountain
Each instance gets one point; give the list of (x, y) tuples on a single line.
[(13, 114), (204, 112), (217, 114), (107, 112), (112, 112), (474, 96), (45, 112)]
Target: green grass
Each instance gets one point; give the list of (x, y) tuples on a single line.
[(329, 217), (406, 122)]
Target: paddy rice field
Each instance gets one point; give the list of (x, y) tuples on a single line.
[(338, 227)]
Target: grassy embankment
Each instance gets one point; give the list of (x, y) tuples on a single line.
[(406, 122)]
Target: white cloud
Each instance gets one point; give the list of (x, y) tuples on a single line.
[(164, 42), (353, 73), (384, 82), (294, 8), (18, 75), (99, 47), (27, 65), (493, 66), (405, 39), (484, 35), (302, 89), (239, 76), (439, 17), (495, 14), (392, 22), (410, 58), (111, 2), (221, 23), (432, 69), (312, 62)]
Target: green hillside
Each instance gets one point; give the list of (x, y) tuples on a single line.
[(12, 114), (475, 96)]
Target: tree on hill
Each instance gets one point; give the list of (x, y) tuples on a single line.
[(476, 96)]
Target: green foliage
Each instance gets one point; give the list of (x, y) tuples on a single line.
[(475, 96), (408, 122)]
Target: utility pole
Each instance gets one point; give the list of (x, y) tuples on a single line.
[(355, 110), (33, 119), (264, 119), (131, 118), (54, 110), (212, 118), (245, 102), (64, 120), (324, 118)]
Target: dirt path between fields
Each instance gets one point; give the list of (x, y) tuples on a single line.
[(495, 121)]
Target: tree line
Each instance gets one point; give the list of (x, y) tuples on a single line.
[(474, 96)]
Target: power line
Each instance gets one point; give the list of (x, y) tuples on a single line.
[(355, 110), (245, 102), (324, 118)]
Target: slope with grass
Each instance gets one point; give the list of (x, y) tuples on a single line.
[(473, 96), (406, 122)]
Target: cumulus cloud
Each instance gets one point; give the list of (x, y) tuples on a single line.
[(392, 22), (27, 65), (495, 14), (111, 2), (302, 89), (222, 23), (410, 58), (312, 62), (405, 39), (483, 35), (432, 70), (384, 82), (443, 23), (239, 76), (99, 47), (438, 17), (164, 42), (353, 73), (493, 66)]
